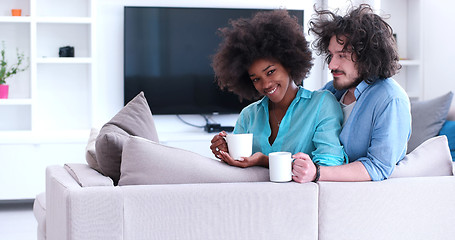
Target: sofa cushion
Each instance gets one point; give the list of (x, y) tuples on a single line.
[(427, 119), (431, 158), (133, 119), (90, 152), (448, 129), (148, 162)]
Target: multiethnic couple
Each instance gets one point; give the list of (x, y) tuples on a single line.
[(355, 128)]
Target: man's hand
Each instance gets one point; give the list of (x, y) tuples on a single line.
[(303, 168)]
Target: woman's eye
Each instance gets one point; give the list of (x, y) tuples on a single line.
[(270, 72), (255, 79)]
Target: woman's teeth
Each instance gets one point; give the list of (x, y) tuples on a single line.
[(271, 92)]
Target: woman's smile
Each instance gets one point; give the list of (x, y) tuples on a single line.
[(270, 92)]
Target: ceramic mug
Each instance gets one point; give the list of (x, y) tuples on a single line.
[(280, 166), (240, 145)]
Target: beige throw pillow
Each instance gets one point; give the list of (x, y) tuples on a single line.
[(431, 158), (90, 152), (147, 162), (134, 119)]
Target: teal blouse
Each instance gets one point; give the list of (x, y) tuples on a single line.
[(312, 125)]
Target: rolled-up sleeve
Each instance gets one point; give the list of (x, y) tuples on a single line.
[(389, 136)]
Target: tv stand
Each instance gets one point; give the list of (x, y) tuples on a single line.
[(175, 133), (215, 127)]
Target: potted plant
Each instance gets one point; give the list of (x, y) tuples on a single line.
[(7, 71)]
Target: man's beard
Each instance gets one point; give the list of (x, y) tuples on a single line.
[(354, 84)]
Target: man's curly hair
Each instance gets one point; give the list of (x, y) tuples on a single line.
[(368, 36), (272, 35)]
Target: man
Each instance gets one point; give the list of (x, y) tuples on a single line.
[(362, 56)]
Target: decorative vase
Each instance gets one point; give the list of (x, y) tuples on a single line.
[(16, 12), (4, 91)]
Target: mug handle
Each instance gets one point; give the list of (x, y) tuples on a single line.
[(292, 165)]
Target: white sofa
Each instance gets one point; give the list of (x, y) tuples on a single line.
[(400, 208), (80, 203)]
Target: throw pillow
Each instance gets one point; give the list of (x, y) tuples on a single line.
[(133, 119), (90, 152), (427, 119), (451, 114), (146, 162), (448, 129), (431, 158)]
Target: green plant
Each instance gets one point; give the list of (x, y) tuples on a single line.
[(8, 71)]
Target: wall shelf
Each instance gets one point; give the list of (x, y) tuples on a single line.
[(64, 20), (5, 19), (64, 60), (15, 101)]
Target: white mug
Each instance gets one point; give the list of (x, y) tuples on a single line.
[(280, 166), (240, 145)]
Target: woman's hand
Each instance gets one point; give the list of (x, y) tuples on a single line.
[(219, 144), (257, 159), (303, 168)]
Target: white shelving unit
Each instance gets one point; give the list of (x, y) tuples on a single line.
[(48, 115), (53, 90), (405, 17)]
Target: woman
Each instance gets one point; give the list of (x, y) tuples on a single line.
[(269, 56)]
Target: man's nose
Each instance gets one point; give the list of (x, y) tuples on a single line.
[(333, 64)]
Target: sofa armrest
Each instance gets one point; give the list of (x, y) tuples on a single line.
[(399, 208), (86, 176), (74, 212)]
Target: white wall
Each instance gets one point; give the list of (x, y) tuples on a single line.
[(437, 50), (438, 47), (108, 97)]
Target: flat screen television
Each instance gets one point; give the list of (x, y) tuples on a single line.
[(167, 55)]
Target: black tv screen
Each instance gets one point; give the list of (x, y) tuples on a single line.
[(167, 55)]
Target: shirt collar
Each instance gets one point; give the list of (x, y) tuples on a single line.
[(360, 89)]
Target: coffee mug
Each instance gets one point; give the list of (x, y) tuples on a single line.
[(240, 145), (280, 166)]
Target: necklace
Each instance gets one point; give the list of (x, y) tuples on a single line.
[(274, 115)]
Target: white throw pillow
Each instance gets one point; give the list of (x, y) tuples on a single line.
[(147, 162), (431, 158)]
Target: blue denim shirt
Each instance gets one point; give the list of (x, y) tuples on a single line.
[(378, 129), (312, 125)]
